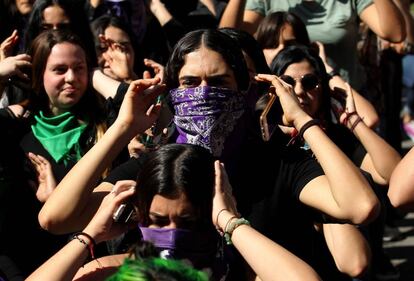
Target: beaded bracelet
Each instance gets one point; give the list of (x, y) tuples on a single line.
[(91, 245), (231, 226)]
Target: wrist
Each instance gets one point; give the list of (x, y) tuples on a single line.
[(332, 73), (223, 218)]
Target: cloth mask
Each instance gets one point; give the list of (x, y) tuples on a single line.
[(206, 115), (198, 247)]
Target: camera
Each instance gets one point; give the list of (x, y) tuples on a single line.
[(124, 213)]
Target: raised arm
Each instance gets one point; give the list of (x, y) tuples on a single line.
[(233, 14), (385, 19), (251, 244), (73, 203), (65, 263), (401, 188), (381, 158), (103, 84), (342, 193), (364, 108)]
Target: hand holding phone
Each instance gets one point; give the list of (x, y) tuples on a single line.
[(271, 116), (124, 213)]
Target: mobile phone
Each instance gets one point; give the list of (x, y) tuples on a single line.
[(124, 213), (271, 116), (338, 103)]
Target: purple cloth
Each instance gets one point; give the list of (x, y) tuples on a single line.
[(206, 115)]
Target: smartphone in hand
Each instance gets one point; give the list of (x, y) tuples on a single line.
[(124, 213), (271, 116)]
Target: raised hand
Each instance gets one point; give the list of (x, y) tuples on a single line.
[(138, 111), (157, 68), (224, 204), (11, 66), (102, 226), (292, 111), (45, 177), (119, 59), (6, 47), (349, 105)]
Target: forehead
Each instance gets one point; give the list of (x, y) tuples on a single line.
[(204, 62), (299, 69), (66, 53), (167, 206), (54, 14), (116, 34)]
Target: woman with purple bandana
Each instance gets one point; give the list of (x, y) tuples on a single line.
[(280, 190)]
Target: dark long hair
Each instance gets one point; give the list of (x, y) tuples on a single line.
[(78, 20), (213, 40), (99, 25), (176, 169), (269, 30), (250, 46), (298, 53), (89, 107)]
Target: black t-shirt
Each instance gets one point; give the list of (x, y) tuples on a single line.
[(266, 182), (348, 143)]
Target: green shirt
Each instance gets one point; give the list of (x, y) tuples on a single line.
[(335, 23)]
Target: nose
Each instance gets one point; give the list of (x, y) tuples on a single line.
[(70, 75), (298, 89), (172, 225), (203, 83)]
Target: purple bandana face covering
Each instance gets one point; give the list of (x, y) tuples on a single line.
[(198, 247), (206, 115)]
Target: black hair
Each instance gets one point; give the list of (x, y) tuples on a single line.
[(176, 169), (213, 40), (101, 23), (298, 53), (79, 24), (250, 46), (269, 30)]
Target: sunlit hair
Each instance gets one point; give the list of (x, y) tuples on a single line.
[(270, 28), (213, 40), (176, 169)]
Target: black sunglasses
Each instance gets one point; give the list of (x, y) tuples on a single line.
[(309, 81)]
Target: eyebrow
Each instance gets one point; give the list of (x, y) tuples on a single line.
[(161, 216), (226, 75)]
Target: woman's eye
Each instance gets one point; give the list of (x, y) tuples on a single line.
[(80, 68), (60, 70)]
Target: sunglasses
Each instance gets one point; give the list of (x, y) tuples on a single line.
[(309, 81)]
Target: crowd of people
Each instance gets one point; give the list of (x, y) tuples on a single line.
[(202, 140)]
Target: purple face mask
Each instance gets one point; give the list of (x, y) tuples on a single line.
[(199, 248), (206, 115)]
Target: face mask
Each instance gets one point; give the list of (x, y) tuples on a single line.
[(206, 115), (199, 248)]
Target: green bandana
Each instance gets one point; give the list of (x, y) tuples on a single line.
[(59, 135)]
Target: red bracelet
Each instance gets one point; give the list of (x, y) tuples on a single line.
[(347, 116), (355, 123), (91, 245)]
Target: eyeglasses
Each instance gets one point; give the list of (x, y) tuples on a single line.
[(309, 81)]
